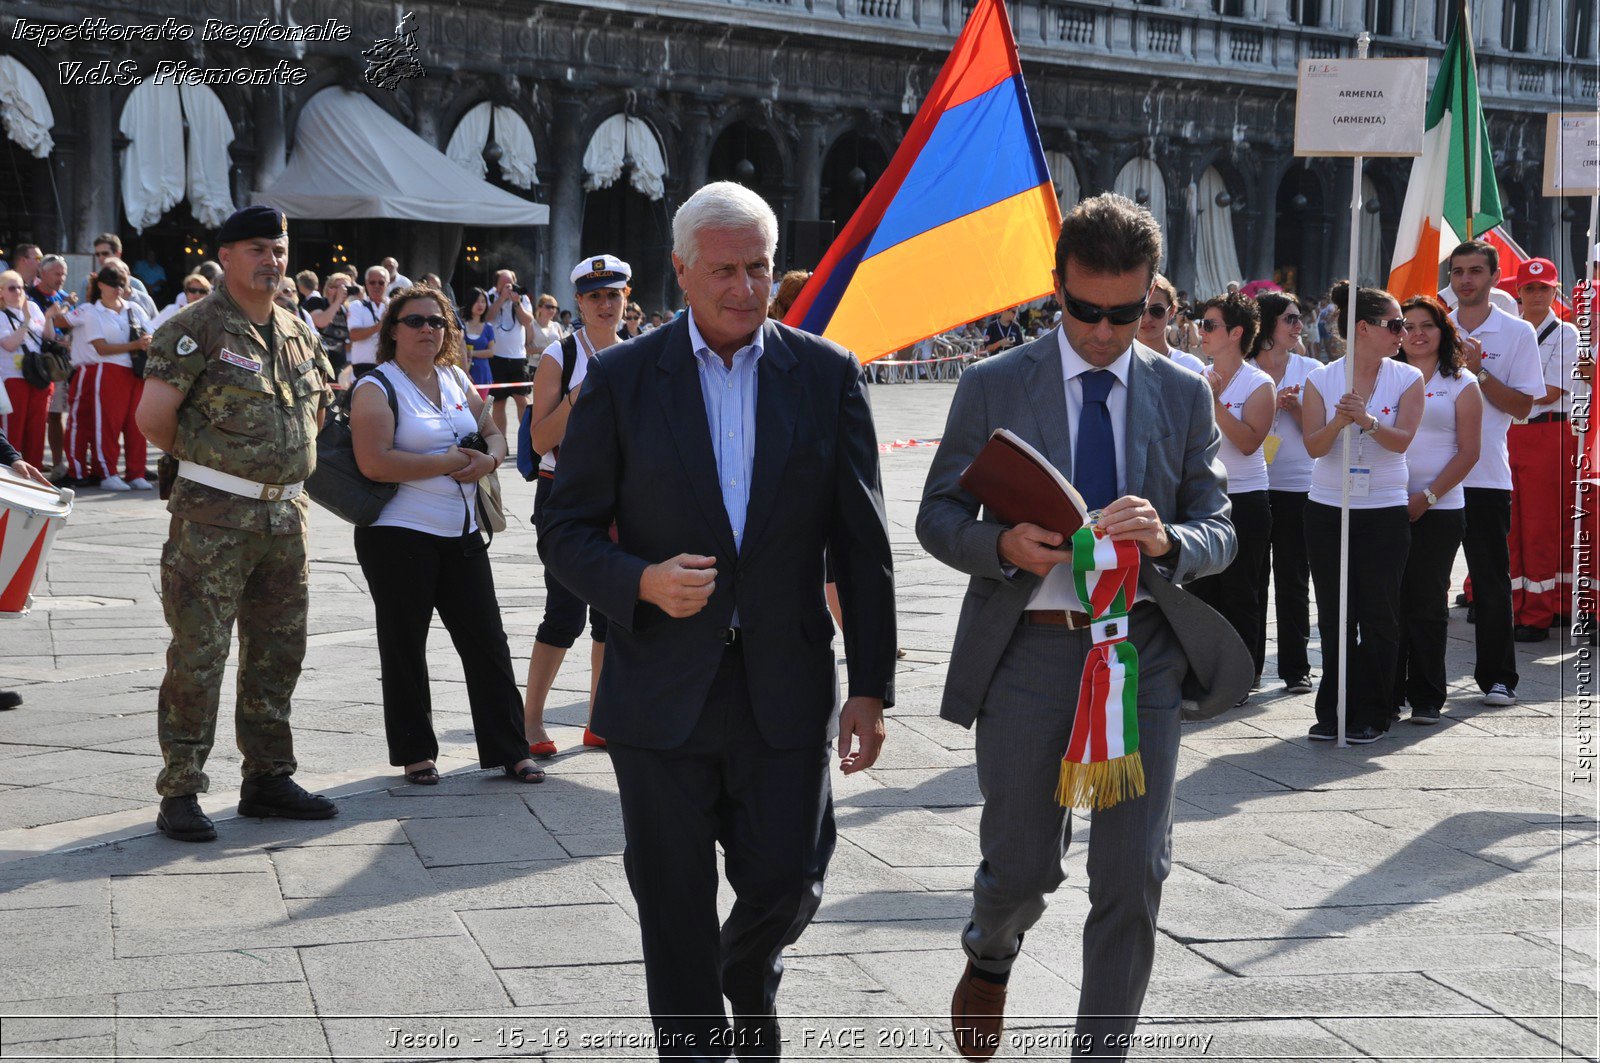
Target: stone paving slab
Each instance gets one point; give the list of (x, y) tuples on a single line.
[(1429, 896)]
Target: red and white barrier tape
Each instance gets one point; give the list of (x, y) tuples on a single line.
[(922, 361), (902, 444)]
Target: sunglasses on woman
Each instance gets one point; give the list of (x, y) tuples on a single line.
[(1210, 324), (1292, 319), (1156, 310), (195, 291), (1089, 314), (416, 321), (1396, 325)]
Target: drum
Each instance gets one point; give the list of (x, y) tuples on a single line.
[(30, 516)]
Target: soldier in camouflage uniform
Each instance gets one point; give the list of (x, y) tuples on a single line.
[(235, 391)]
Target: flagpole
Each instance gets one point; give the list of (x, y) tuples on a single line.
[(1469, 116), (1341, 682)]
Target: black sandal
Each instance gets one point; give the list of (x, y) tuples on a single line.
[(530, 774), (423, 776)]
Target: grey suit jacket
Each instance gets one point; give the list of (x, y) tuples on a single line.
[(1171, 460)]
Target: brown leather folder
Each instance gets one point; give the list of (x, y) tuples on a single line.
[(1018, 485)]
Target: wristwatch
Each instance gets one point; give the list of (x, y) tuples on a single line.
[(1433, 499), (1372, 425), (1483, 376)]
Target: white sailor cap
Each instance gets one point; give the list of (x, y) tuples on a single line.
[(600, 271)]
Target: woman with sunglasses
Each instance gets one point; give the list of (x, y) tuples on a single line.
[(1444, 451), (477, 332), (1278, 353), (1242, 401), (195, 288), (1381, 413), (424, 553), (115, 328), (601, 283), (632, 322), (23, 328), (1153, 327)]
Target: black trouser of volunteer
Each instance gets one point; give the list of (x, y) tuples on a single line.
[(1425, 608), (771, 810), (1290, 570), (563, 611), (1379, 542), (1486, 543), (411, 574), (509, 371), (1234, 592)]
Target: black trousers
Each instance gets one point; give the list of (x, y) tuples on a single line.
[(1379, 541), (772, 811), (562, 622), (1487, 546), (410, 575), (1425, 608), (1290, 572), (1239, 591)]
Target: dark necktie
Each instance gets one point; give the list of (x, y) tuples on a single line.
[(1094, 453)]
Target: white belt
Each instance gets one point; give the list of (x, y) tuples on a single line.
[(238, 485)]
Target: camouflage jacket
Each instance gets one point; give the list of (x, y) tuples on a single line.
[(244, 412)]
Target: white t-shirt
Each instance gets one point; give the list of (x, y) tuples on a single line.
[(540, 337), (110, 326), (1511, 355), (547, 462), (437, 505), (1246, 472), (364, 313), (400, 281), (1187, 360), (1435, 443), (80, 319), (30, 318), (1558, 355), (1386, 470), (1290, 469), (509, 332)]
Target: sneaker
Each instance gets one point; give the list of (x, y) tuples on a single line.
[(139, 483), (1525, 633), (114, 483), (1323, 732), (57, 474), (1425, 717), (1500, 696), (1363, 737), (1298, 685)]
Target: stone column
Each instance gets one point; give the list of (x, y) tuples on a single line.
[(566, 192), (1277, 12), (271, 141), (97, 192), (808, 172), (696, 146)]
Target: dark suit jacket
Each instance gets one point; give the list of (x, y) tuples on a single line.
[(638, 451)]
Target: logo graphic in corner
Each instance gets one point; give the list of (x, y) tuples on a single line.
[(392, 60)]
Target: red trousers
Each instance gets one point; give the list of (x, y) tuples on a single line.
[(1543, 503), (103, 400), (25, 423)]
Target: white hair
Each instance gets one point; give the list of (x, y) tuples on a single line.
[(721, 205)]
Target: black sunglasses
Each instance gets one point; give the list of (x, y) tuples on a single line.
[(1292, 319), (1090, 314), (195, 291), (1156, 310), (1396, 325), (1211, 324), (416, 321)]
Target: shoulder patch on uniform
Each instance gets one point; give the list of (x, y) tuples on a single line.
[(187, 346)]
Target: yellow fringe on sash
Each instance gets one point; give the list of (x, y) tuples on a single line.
[(1100, 785)]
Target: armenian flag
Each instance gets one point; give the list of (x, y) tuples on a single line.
[(962, 224)]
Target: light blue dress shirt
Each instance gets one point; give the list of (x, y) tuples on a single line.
[(730, 396)]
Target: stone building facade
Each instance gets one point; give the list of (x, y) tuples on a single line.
[(1186, 103)]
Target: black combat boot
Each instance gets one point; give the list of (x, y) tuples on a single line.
[(180, 818), (282, 796)]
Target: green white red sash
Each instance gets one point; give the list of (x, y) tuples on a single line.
[(1101, 766)]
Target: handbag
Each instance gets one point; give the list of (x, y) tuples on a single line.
[(491, 502), (32, 365), (138, 358), (57, 360), (337, 483)]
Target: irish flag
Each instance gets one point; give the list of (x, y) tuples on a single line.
[(1452, 180)]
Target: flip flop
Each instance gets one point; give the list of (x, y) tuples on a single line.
[(530, 774), (423, 776)]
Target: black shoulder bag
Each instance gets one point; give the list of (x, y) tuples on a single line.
[(34, 372), (337, 483)]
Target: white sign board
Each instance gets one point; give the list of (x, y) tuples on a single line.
[(1361, 107), (1572, 154)]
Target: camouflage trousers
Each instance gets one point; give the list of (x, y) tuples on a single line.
[(211, 576)]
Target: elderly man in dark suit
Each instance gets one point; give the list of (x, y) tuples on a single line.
[(1135, 433), (731, 451)]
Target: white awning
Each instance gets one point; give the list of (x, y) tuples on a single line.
[(25, 109), (154, 165), (352, 160), (621, 142), (511, 134)]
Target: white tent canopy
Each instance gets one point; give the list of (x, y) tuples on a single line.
[(1143, 173), (511, 134), (619, 139), (1065, 176), (1216, 254), (25, 108), (352, 160)]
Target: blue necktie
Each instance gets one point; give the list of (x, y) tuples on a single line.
[(1094, 454)]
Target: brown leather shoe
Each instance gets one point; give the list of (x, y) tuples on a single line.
[(977, 1015)]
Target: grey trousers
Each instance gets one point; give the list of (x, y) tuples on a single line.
[(1022, 732)]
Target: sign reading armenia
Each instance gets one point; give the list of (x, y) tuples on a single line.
[(1360, 107)]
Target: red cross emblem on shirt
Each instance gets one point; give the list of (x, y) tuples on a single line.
[(1385, 409)]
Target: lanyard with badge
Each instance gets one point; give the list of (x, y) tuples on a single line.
[(1360, 472), (1274, 439)]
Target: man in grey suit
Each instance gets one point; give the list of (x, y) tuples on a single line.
[(1135, 432)]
